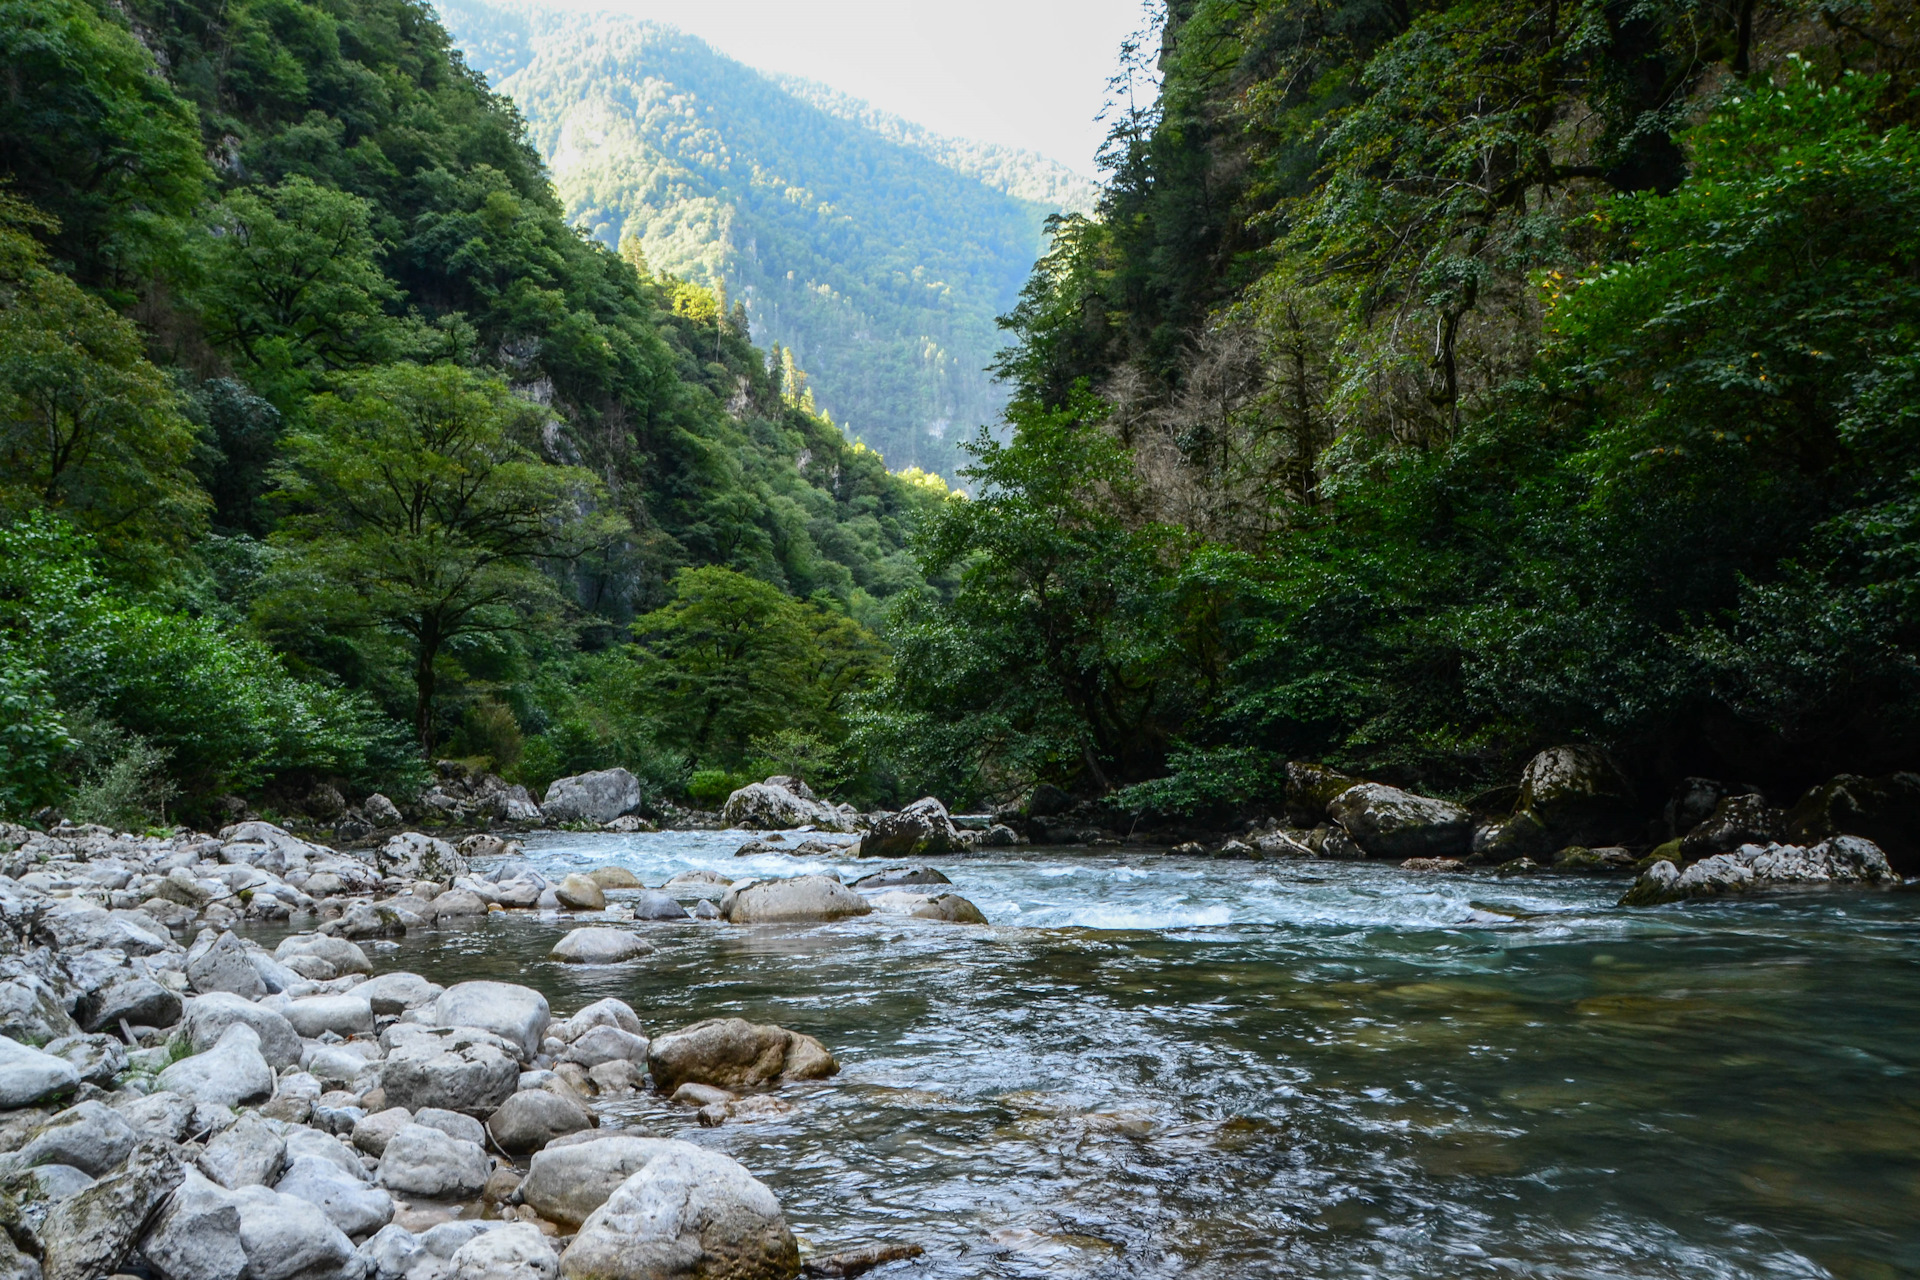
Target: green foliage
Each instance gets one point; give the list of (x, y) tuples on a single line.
[(709, 788), (1588, 428), (90, 134), (122, 779), (1063, 648), (291, 285), (731, 662), (113, 688), (417, 504), (88, 427), (334, 250)]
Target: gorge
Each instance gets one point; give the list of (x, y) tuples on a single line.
[(1377, 737)]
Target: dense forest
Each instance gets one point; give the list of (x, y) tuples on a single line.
[(878, 252), (1440, 381), (1432, 383), (328, 448)]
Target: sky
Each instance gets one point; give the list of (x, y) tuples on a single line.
[(1027, 73)]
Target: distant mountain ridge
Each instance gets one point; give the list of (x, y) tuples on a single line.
[(877, 250)]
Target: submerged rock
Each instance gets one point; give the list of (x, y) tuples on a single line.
[(1843, 860), (1609, 860), (734, 1054), (900, 877)]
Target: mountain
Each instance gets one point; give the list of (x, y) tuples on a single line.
[(879, 252)]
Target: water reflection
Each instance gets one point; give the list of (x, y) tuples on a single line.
[(1160, 1067)]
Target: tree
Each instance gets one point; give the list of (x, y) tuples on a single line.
[(729, 661), (733, 663), (88, 427), (417, 504), (292, 286), (90, 132)]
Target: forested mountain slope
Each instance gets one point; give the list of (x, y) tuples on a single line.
[(878, 252), (317, 420), (1439, 382)]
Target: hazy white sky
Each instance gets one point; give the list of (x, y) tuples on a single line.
[(1029, 73)]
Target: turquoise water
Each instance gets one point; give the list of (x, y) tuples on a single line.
[(1152, 1066)]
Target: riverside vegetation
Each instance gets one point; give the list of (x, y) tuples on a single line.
[(1464, 436)]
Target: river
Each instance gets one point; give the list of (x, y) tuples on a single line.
[(1156, 1066)]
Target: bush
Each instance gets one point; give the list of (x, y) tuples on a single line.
[(709, 788), (216, 707)]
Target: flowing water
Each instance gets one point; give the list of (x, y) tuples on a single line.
[(1153, 1066)]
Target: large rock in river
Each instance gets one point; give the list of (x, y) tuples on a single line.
[(1310, 789), (687, 1212), (1571, 795), (922, 829), (732, 1053), (780, 804), (1841, 861), (598, 945), (1387, 822), (1885, 810), (950, 907), (414, 856), (601, 796), (796, 900)]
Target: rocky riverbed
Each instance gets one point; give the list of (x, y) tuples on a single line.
[(643, 1054)]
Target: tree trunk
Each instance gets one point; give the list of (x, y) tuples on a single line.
[(423, 686)]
